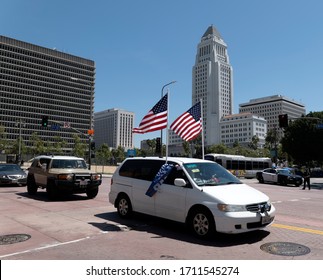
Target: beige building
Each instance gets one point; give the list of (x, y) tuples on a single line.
[(271, 107)]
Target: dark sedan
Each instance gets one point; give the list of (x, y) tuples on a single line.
[(12, 174), (282, 176)]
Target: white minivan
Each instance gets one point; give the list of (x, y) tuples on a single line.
[(198, 192)]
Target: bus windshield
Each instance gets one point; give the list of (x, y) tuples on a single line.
[(210, 174)]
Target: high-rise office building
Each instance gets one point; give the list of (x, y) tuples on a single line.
[(212, 82), (36, 81), (271, 107), (114, 128)]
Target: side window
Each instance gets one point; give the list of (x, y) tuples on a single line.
[(44, 161), (141, 169)]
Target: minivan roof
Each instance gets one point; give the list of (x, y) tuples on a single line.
[(59, 157), (181, 160)]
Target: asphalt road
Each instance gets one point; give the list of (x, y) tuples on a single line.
[(77, 228)]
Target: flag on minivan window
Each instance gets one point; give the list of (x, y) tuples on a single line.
[(156, 118), (159, 179)]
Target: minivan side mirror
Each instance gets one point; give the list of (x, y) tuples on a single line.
[(179, 182)]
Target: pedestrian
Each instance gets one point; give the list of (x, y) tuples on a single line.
[(307, 176)]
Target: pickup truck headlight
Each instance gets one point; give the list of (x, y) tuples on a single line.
[(67, 177), (231, 207), (95, 177)]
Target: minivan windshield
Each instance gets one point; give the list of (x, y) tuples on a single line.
[(210, 174)]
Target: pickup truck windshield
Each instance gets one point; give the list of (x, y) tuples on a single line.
[(67, 164)]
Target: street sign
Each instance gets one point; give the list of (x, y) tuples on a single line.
[(55, 127), (131, 153), (319, 126)]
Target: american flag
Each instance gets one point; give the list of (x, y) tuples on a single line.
[(156, 119), (188, 125)]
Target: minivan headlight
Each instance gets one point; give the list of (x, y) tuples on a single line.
[(231, 207)]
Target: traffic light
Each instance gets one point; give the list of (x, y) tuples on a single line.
[(44, 121), (158, 146), (92, 146), (283, 120)]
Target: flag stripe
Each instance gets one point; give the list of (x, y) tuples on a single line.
[(156, 118), (188, 125)]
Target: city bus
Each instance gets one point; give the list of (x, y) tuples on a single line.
[(241, 166)]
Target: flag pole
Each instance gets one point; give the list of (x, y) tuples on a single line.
[(167, 130), (201, 104)]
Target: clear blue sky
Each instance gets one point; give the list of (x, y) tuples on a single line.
[(275, 47)]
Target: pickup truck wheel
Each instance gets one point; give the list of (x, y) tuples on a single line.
[(31, 185), (51, 190), (92, 193)]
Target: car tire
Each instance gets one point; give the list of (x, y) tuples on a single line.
[(260, 179), (31, 185), (92, 193), (201, 223), (283, 181), (124, 206)]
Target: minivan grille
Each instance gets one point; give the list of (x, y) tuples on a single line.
[(258, 207)]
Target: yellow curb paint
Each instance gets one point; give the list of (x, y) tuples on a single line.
[(308, 230)]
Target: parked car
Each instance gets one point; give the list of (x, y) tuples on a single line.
[(282, 176), (200, 193), (12, 174), (62, 174)]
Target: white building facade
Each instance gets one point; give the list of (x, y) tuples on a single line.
[(271, 107), (114, 128), (240, 128), (212, 82)]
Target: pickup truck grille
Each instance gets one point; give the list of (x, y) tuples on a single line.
[(82, 177)]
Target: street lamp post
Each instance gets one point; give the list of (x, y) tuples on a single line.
[(161, 131), (20, 125)]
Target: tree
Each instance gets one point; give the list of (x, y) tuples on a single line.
[(303, 138), (118, 154), (254, 142), (103, 154), (58, 146), (218, 149), (38, 146), (79, 147), (3, 139), (152, 145)]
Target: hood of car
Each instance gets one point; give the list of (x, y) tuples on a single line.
[(240, 194), (12, 173)]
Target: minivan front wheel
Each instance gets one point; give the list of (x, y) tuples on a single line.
[(124, 207), (202, 223)]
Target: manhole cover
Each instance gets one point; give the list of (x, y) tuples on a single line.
[(285, 249), (13, 238)]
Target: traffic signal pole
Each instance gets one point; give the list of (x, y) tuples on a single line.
[(89, 136)]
